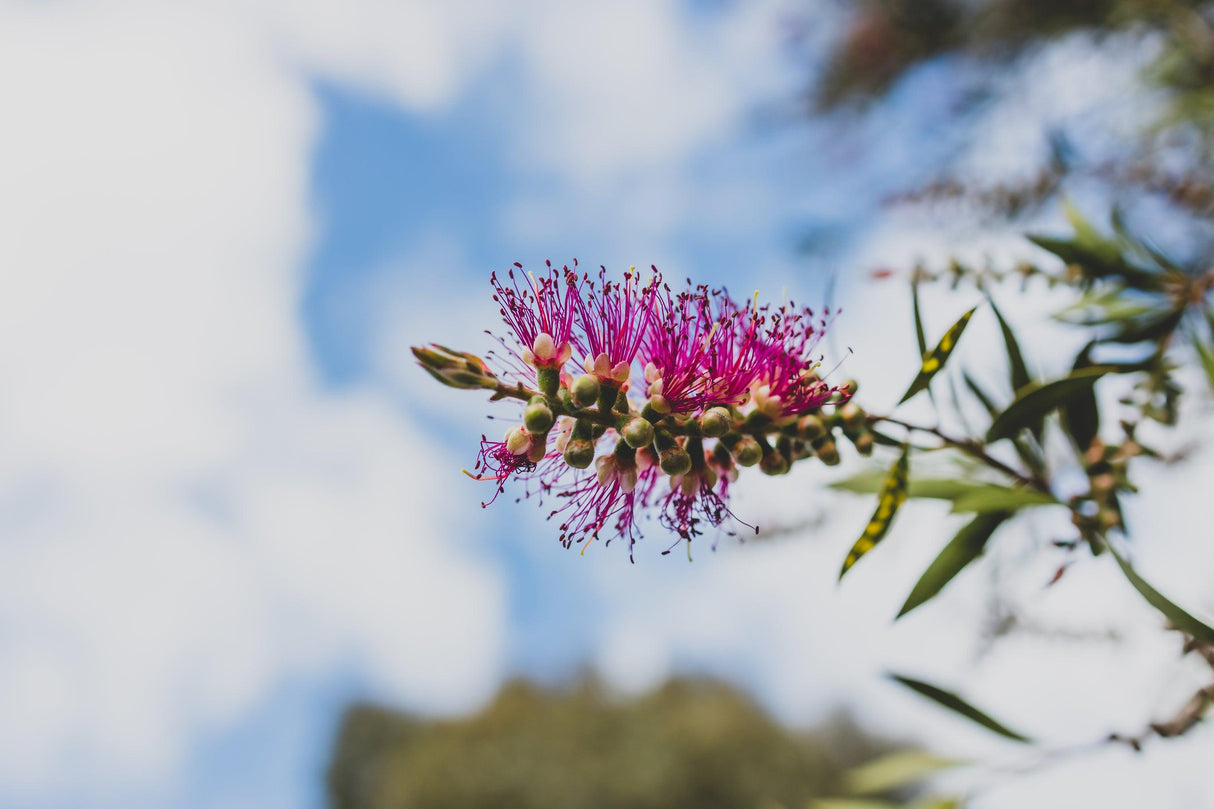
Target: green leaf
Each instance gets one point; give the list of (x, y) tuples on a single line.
[(893, 494), (994, 497), (1037, 401), (920, 336), (1179, 618), (873, 482), (1080, 412), (895, 770), (1018, 370), (935, 359), (1206, 354), (965, 547), (956, 704), (851, 803), (980, 394)]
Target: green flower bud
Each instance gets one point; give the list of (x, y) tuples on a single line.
[(538, 416), (675, 461), (864, 444), (810, 427), (638, 433), (850, 387), (579, 453), (773, 463), (828, 453), (585, 391), (716, 422), (747, 451), (851, 415)]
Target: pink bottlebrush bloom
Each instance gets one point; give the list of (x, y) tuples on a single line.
[(789, 382), (613, 319), (539, 311), (498, 461), (607, 497), (697, 499), (690, 355)]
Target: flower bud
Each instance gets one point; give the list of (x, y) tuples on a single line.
[(675, 461), (585, 391), (810, 427), (747, 452), (849, 388), (539, 448), (864, 444), (456, 369), (518, 440), (538, 417), (716, 422), (579, 453), (638, 433), (773, 463), (828, 453), (851, 415)]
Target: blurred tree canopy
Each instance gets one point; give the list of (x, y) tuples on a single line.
[(690, 743)]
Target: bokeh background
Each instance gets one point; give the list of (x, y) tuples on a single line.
[(231, 506)]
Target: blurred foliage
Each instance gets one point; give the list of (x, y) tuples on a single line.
[(1172, 156), (691, 743)]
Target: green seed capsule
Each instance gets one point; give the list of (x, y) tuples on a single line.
[(579, 453), (585, 391), (747, 452), (638, 433)]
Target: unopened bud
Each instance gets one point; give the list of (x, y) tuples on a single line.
[(810, 427), (849, 388), (828, 453), (864, 444), (747, 452), (518, 440), (638, 433), (456, 369), (716, 422), (675, 461), (585, 391), (538, 417), (773, 463), (851, 415), (579, 453)]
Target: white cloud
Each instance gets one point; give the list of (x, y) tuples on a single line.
[(187, 518)]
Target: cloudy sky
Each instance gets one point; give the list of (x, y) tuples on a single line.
[(229, 503)]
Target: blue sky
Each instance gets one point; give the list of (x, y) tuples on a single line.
[(232, 504)]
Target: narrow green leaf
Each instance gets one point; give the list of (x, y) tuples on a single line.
[(895, 770), (1180, 619), (956, 704), (1080, 412), (993, 497), (893, 495), (965, 547), (920, 335), (935, 359), (873, 482), (1037, 401), (980, 394), (1017, 369), (1207, 358)]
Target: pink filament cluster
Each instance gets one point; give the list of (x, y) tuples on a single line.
[(696, 348)]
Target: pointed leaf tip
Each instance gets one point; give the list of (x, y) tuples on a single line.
[(935, 359)]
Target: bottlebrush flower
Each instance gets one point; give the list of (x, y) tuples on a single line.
[(539, 312), (613, 320), (707, 361), (699, 356), (789, 383)]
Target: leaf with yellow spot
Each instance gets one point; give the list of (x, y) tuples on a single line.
[(893, 495), (934, 360)]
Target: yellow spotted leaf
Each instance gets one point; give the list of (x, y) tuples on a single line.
[(934, 360), (893, 495)]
